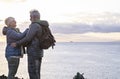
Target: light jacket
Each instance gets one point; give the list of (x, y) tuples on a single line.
[(12, 35)]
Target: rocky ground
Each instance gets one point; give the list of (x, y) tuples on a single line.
[(5, 77), (77, 76)]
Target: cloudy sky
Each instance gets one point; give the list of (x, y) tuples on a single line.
[(78, 20)]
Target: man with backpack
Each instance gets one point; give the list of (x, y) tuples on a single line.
[(33, 42)]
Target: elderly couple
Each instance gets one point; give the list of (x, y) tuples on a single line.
[(16, 40)]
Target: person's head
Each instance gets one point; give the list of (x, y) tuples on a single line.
[(34, 15), (10, 22)]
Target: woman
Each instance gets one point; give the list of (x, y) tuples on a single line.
[(12, 54)]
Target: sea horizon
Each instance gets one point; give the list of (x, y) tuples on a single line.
[(97, 60)]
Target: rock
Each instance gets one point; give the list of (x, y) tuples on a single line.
[(79, 76), (5, 77)]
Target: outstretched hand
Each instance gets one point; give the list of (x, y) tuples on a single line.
[(13, 44)]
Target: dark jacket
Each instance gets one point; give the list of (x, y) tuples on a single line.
[(12, 35), (32, 40)]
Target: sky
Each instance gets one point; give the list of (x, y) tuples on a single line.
[(78, 20)]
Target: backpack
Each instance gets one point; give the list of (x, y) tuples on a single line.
[(46, 39)]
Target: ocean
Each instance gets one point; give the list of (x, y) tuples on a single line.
[(99, 60)]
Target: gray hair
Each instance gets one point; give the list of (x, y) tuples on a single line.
[(35, 14), (9, 20)]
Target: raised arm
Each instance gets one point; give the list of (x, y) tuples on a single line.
[(16, 36), (30, 34)]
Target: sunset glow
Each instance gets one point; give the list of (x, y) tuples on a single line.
[(92, 20)]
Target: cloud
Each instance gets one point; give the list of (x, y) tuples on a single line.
[(89, 22), (94, 18), (77, 28), (68, 28)]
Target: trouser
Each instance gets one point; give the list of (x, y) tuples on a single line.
[(13, 64), (34, 67)]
